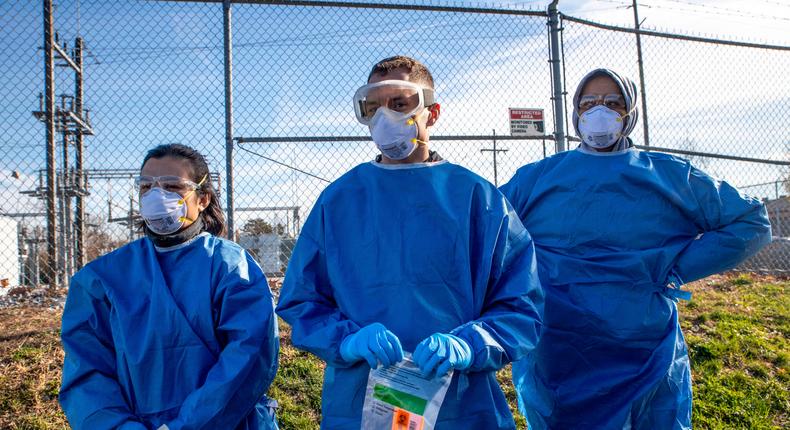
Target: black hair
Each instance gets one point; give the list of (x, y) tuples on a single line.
[(213, 217)]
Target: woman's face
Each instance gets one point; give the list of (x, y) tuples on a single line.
[(603, 90), (173, 166)]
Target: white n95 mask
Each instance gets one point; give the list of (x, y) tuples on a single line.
[(600, 127), (164, 212), (394, 133)]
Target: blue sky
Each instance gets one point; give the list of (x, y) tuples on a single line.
[(154, 75)]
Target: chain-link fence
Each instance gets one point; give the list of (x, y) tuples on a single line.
[(154, 72)]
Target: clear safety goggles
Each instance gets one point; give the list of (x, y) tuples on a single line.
[(612, 101), (400, 96), (174, 184)]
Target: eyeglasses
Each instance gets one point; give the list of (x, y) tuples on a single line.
[(174, 184), (612, 101), (400, 96)]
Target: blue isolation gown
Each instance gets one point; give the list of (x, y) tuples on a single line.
[(420, 248), (610, 231), (185, 337)]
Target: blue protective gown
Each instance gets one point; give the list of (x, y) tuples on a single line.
[(421, 249), (609, 231), (186, 338)]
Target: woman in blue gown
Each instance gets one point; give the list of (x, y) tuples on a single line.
[(175, 330)]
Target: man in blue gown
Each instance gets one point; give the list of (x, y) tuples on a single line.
[(617, 231), (412, 253)]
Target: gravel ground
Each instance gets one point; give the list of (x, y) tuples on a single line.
[(43, 297), (36, 297)]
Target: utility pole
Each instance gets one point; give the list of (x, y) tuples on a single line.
[(49, 121), (63, 240), (65, 193), (79, 164), (637, 25), (494, 151), (59, 189)]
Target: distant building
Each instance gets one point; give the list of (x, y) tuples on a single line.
[(775, 257), (779, 214), (9, 251), (266, 249)]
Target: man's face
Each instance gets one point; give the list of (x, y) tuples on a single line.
[(403, 99), (401, 102), (602, 90)]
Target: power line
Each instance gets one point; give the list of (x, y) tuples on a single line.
[(604, 8), (323, 35), (281, 163), (146, 56), (724, 11), (776, 3), (521, 3), (736, 11), (296, 41), (622, 3)]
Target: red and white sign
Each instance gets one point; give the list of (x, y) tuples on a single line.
[(527, 122)]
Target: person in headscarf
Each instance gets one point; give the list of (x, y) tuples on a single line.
[(617, 232), (600, 95)]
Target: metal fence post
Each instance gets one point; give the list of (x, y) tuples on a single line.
[(641, 75), (556, 73), (228, 48)]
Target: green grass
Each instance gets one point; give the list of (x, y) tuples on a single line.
[(297, 387), (736, 327), (737, 332)]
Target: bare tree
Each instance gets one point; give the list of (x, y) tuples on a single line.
[(689, 144), (258, 226)]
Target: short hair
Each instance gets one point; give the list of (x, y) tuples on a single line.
[(417, 71)]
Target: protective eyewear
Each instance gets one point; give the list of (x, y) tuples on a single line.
[(174, 184), (612, 101), (400, 96)]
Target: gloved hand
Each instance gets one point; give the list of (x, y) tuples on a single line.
[(373, 343), (442, 352)]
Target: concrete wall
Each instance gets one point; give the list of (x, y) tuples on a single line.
[(9, 251)]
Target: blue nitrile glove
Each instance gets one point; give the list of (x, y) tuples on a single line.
[(442, 352), (373, 343)]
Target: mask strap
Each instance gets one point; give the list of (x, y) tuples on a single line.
[(630, 112), (411, 121), (183, 199), (623, 121)]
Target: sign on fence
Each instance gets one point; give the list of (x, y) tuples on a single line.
[(526, 122)]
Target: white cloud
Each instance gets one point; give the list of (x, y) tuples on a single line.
[(733, 19)]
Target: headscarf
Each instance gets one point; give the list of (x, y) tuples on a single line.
[(628, 88)]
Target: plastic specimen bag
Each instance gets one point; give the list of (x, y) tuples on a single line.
[(398, 397)]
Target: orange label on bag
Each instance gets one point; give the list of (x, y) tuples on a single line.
[(404, 420)]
